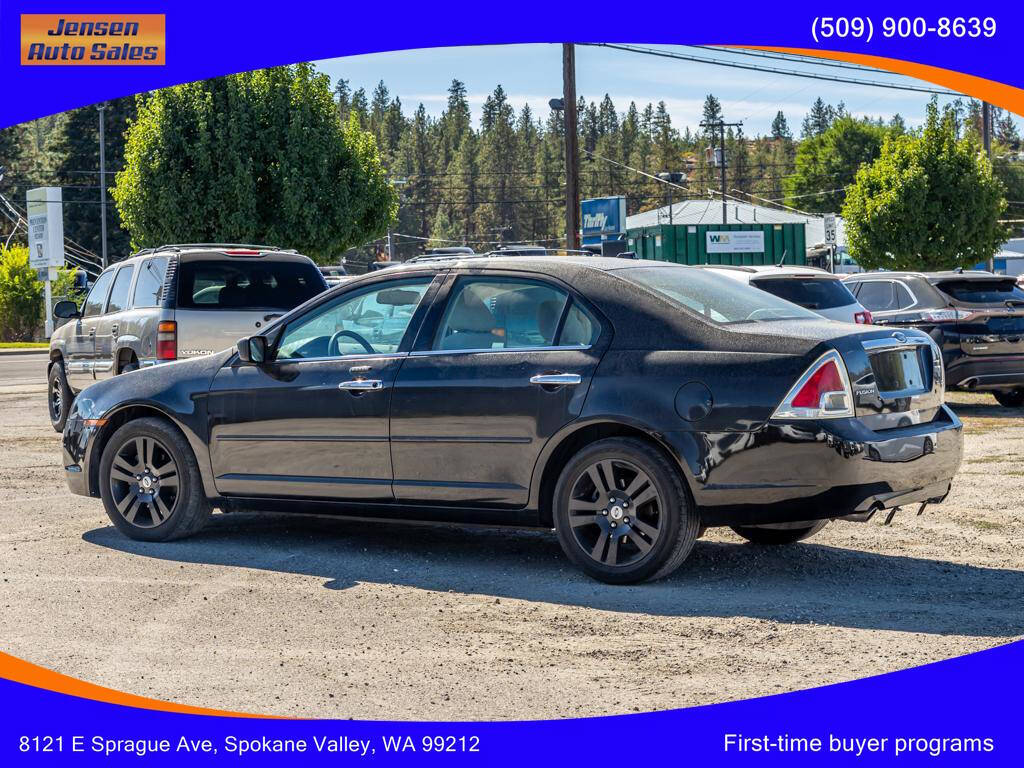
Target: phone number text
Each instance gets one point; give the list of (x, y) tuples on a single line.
[(863, 27)]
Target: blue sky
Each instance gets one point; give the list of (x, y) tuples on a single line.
[(532, 74)]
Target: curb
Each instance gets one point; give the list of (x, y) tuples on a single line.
[(28, 351)]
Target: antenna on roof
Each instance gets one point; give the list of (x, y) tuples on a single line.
[(783, 261)]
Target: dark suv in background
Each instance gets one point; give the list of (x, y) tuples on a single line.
[(976, 318)]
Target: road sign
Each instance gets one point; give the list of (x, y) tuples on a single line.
[(830, 228), (45, 239)]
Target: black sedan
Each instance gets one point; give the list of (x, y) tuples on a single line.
[(628, 405)]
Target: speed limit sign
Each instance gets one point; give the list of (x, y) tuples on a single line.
[(830, 228)]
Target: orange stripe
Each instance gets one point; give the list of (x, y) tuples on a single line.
[(21, 671), (1000, 94)]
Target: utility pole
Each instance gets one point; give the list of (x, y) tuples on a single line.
[(721, 125), (103, 189), (986, 140), (572, 194)]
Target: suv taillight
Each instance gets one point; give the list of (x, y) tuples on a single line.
[(823, 392), (167, 340), (864, 318)]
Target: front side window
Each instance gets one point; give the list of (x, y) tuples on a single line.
[(500, 313), (119, 293), (247, 285), (372, 321), (98, 295), (150, 282), (717, 298)]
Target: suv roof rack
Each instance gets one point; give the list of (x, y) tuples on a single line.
[(186, 246)]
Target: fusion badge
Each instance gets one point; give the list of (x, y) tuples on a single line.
[(57, 39)]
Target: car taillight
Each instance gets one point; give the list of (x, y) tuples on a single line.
[(945, 315), (167, 340), (864, 318), (823, 392)]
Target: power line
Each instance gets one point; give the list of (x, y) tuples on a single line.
[(776, 70), (796, 58)]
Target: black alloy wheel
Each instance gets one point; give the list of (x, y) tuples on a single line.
[(150, 482), (622, 512), (144, 484), (615, 512), (58, 396), (1010, 398)]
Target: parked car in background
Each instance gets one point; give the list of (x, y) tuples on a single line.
[(808, 287), (171, 303), (334, 274), (976, 318), (607, 398)]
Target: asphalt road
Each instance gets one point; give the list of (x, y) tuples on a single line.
[(329, 618), (22, 369)]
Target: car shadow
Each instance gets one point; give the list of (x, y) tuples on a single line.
[(801, 584), (984, 410)]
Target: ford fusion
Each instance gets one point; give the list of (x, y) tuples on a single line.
[(628, 405)]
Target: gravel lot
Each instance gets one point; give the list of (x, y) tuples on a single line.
[(347, 619)]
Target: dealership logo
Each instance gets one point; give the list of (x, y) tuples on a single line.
[(68, 39)]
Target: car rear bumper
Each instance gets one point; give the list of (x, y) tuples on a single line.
[(985, 373), (785, 472)]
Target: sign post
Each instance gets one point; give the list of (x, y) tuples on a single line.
[(46, 240)]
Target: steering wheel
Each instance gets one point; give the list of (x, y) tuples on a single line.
[(332, 345)]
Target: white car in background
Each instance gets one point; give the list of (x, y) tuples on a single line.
[(809, 287)]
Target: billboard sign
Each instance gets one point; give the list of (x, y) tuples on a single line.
[(603, 218), (45, 227), (735, 242)]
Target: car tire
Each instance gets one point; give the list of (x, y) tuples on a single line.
[(131, 365), (640, 526), (777, 536), (58, 396), (150, 482), (1010, 398)]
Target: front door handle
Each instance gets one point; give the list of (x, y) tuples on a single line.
[(361, 385), (556, 379)]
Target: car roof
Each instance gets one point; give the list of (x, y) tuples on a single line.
[(197, 251), (750, 271), (549, 264), (931, 277)]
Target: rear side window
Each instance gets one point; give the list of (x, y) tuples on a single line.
[(119, 293), (149, 283), (982, 291), (808, 292), (500, 314), (877, 295), (247, 285)]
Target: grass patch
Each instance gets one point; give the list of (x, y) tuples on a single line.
[(991, 459), (24, 344)]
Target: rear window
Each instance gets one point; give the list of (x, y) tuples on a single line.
[(982, 291), (247, 285), (808, 292), (716, 297)]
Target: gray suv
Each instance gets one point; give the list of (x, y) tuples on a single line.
[(171, 303)]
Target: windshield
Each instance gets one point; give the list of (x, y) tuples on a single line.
[(983, 291), (716, 297), (808, 292), (247, 285)]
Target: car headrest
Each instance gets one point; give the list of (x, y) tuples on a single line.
[(470, 314)]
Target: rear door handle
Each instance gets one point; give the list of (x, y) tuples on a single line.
[(556, 379), (362, 385), (113, 329)]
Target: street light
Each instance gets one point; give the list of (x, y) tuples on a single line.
[(671, 178)]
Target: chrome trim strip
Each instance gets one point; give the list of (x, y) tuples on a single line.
[(434, 352), (342, 358)]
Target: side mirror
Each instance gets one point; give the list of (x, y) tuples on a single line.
[(65, 310), (253, 349)]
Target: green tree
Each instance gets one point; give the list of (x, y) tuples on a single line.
[(255, 157), (819, 119), (21, 295), (826, 164), (927, 203), (76, 147), (780, 128)]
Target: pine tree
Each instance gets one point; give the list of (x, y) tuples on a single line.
[(780, 128), (818, 120)]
